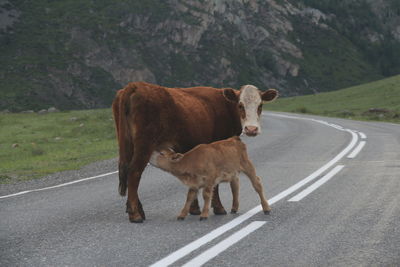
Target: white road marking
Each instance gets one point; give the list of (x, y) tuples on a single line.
[(363, 136), (60, 185), (320, 170), (336, 126), (356, 150), (182, 252), (224, 244), (317, 184), (226, 227)]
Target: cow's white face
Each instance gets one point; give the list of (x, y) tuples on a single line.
[(249, 102)]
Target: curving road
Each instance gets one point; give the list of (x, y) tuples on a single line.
[(334, 186)]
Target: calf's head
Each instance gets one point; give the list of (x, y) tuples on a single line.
[(163, 159), (249, 101)]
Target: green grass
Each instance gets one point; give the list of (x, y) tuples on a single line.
[(53, 142), (353, 102), (61, 141)]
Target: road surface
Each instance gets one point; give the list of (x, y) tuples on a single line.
[(334, 186)]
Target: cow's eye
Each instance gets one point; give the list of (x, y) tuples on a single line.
[(259, 110), (241, 106)]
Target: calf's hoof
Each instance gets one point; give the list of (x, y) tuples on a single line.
[(233, 211), (203, 218), (180, 218), (219, 211), (267, 212)]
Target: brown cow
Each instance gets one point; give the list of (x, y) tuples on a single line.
[(149, 117), (205, 166)]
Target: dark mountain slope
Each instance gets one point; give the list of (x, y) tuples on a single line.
[(75, 54)]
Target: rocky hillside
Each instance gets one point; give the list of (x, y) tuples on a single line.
[(75, 54)]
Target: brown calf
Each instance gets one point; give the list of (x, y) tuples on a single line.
[(205, 166)]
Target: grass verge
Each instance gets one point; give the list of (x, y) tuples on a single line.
[(378, 101), (33, 145)]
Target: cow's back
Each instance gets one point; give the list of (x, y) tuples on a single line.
[(181, 117)]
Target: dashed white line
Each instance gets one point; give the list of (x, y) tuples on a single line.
[(226, 227), (182, 252), (224, 244), (356, 150), (317, 184), (362, 135), (320, 170)]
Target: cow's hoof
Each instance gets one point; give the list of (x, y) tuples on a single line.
[(233, 211), (128, 208), (180, 218), (141, 211), (195, 212), (195, 208), (267, 212), (136, 220), (219, 211), (203, 218)]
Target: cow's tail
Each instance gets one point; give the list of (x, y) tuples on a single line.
[(121, 108)]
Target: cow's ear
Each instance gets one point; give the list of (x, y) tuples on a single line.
[(231, 95), (269, 95), (177, 157)]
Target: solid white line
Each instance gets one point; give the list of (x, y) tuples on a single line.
[(356, 150), (182, 252), (318, 172), (60, 185), (317, 184), (223, 245)]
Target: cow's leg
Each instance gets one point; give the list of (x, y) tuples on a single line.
[(194, 207), (141, 211), (257, 184), (191, 195), (216, 202), (235, 194), (139, 162), (207, 195)]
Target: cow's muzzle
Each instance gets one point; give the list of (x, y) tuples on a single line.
[(251, 130)]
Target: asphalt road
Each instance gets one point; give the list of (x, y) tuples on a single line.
[(327, 208)]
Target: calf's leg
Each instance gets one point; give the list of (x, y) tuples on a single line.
[(257, 184), (207, 195), (216, 204), (191, 195), (235, 194)]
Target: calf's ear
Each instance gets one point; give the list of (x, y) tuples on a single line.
[(231, 95), (177, 157), (269, 95)]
